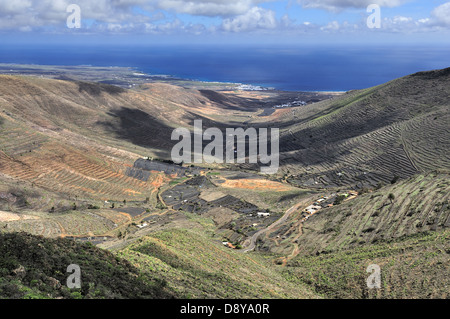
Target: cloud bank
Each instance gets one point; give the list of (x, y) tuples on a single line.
[(337, 5), (221, 16)]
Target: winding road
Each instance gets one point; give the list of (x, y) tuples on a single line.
[(250, 243)]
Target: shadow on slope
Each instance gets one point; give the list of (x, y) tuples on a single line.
[(97, 88), (140, 128)]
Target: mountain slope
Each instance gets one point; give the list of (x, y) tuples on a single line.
[(403, 228), (195, 266), (415, 205), (412, 267), (80, 138), (35, 267), (171, 264), (396, 129)]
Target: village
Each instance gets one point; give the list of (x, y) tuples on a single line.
[(325, 202), (306, 213), (290, 104)]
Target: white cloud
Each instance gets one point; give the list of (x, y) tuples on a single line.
[(115, 14), (332, 26), (208, 7), (401, 19), (286, 21), (439, 20), (336, 5), (120, 16), (29, 14), (408, 25), (441, 15), (12, 7), (255, 18)]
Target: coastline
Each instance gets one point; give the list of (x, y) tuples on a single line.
[(129, 77)]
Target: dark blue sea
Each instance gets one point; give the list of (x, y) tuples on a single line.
[(302, 68)]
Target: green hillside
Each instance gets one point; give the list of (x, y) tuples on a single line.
[(405, 208), (176, 263), (196, 267), (412, 267), (403, 228), (34, 267)]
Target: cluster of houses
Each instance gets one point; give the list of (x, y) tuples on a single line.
[(324, 202), (249, 87), (314, 208), (260, 215), (291, 104)]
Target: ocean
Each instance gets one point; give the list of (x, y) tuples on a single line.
[(291, 68)]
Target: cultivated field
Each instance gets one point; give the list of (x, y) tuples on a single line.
[(365, 137)]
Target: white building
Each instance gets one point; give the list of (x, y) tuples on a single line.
[(261, 214)]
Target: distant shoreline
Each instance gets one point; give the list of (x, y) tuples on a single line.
[(283, 68), (128, 77)]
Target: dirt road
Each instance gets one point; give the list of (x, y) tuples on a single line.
[(250, 243)]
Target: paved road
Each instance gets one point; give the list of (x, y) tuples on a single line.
[(251, 242)]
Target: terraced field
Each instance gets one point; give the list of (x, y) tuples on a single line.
[(73, 224), (370, 136), (403, 228), (418, 204), (29, 155), (63, 169), (412, 267)]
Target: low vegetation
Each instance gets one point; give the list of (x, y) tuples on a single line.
[(35, 267), (194, 266), (412, 267)]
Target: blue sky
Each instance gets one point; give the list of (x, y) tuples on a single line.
[(240, 21)]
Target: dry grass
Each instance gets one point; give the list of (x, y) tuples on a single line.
[(255, 184)]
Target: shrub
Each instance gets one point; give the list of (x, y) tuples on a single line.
[(395, 179), (339, 199), (391, 197)]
